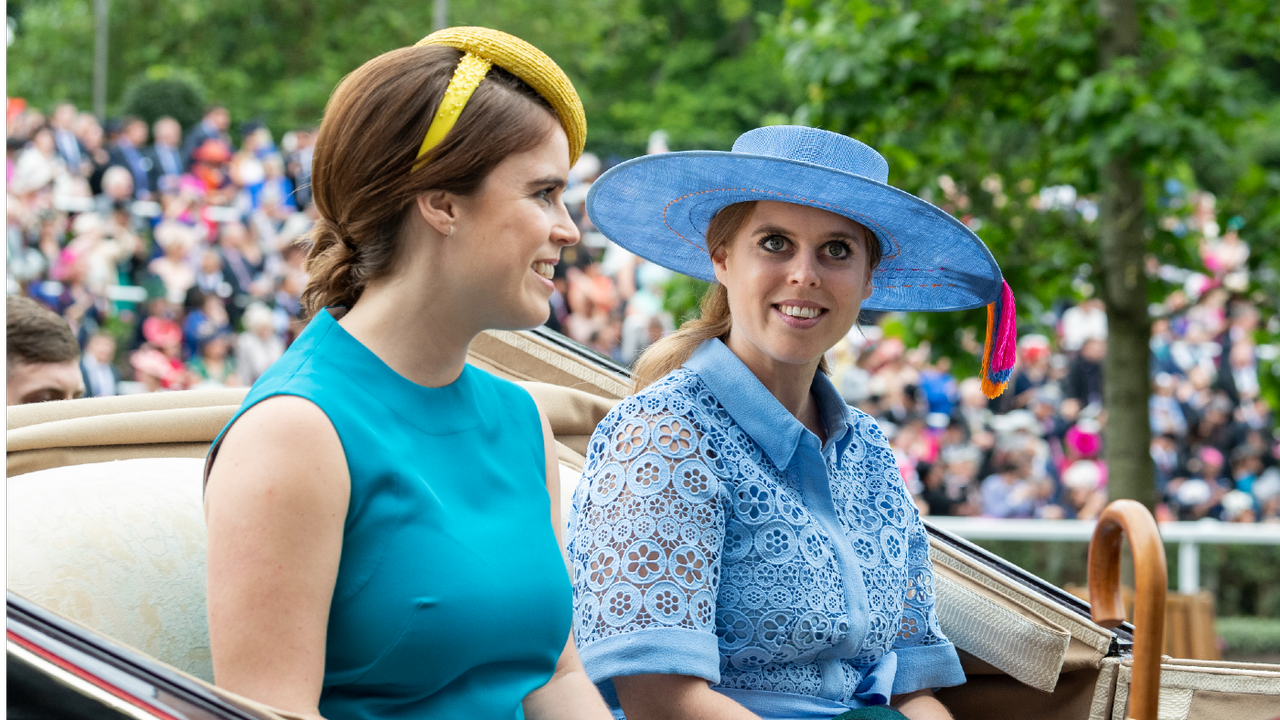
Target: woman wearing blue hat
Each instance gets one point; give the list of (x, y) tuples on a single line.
[(743, 544)]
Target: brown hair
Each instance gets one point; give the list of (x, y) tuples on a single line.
[(714, 320), (36, 335), (369, 139)]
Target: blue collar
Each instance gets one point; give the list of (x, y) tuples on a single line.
[(758, 412)]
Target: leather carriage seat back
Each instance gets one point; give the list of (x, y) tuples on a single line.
[(120, 548)]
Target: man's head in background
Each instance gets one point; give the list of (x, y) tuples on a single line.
[(43, 355), (135, 129), (167, 132)]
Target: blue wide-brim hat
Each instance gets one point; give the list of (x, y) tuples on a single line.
[(659, 207)]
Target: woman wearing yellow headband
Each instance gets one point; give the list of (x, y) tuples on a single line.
[(380, 538)]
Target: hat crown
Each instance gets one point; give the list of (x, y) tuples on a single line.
[(816, 147)]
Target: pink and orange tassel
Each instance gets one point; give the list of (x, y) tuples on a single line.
[(998, 357)]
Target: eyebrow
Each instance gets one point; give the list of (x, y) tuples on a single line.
[(833, 235), (552, 180)]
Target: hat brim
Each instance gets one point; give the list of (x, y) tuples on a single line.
[(659, 207)]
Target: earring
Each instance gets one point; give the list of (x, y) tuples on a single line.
[(450, 231)]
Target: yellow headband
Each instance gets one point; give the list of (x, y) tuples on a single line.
[(484, 47), (471, 70)]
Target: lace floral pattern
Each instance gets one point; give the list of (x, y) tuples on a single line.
[(682, 521)]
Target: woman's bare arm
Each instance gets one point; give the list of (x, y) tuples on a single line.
[(675, 697), (569, 694), (275, 507), (920, 705)]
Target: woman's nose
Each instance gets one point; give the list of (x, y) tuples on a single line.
[(803, 270), (565, 230)]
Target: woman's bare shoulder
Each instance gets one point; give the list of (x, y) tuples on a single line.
[(284, 444)]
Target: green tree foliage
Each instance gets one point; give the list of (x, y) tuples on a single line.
[(164, 91), (695, 69)]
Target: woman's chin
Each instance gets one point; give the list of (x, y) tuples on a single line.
[(797, 356), (800, 353), (524, 318)]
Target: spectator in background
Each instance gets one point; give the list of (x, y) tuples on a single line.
[(175, 268), (212, 366), (939, 387), (1169, 461), (1084, 497), (93, 140), (1237, 506), (258, 346), (1009, 493), (43, 361), (1030, 374), (73, 154), (1266, 493), (973, 415), (208, 177), (1238, 377), (1084, 374), (100, 375), (246, 168), (212, 127), (129, 152), (165, 155), (1085, 321), (158, 362), (299, 164), (38, 165), (1165, 411), (274, 194), (117, 190), (206, 317), (244, 264)]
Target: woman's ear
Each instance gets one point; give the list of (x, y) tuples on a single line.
[(719, 263), (869, 287), (439, 209)]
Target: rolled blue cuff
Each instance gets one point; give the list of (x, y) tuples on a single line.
[(665, 651), (926, 666)]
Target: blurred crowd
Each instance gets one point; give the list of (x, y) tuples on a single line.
[(170, 251), (172, 255), (1037, 451), (606, 297)]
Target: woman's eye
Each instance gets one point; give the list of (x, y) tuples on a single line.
[(838, 250), (774, 243)]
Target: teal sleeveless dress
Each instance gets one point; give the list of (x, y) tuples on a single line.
[(452, 598)]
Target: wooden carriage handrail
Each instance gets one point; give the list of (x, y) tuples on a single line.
[(1131, 519)]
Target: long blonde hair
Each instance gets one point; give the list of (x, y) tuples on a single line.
[(714, 319)]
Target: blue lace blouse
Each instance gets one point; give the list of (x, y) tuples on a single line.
[(711, 535)]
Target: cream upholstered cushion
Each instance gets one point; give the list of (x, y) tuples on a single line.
[(118, 547)]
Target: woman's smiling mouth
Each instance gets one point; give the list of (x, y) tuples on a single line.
[(799, 314)]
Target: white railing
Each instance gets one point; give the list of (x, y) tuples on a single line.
[(1188, 535)]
